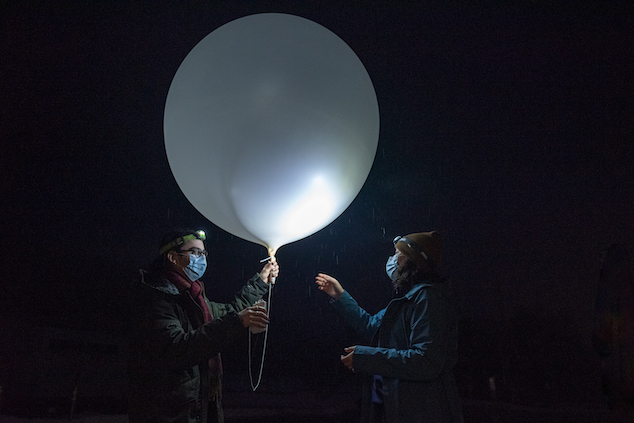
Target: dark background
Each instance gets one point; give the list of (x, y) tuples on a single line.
[(506, 126)]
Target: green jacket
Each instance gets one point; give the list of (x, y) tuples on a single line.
[(170, 348)]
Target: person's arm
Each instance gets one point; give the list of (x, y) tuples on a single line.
[(176, 347), (361, 321), (254, 289), (425, 356)]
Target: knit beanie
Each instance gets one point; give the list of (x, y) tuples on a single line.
[(423, 248)]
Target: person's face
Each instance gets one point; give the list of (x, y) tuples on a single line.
[(402, 258), (181, 259)]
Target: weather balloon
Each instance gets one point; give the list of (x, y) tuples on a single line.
[(271, 127)]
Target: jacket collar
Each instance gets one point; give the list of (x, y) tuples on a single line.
[(158, 283), (415, 290), (420, 285)]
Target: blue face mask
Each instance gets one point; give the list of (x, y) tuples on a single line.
[(196, 267), (391, 267)]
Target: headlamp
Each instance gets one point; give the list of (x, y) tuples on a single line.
[(181, 240), (411, 244)]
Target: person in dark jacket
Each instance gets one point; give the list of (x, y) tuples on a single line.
[(407, 366), (177, 334)]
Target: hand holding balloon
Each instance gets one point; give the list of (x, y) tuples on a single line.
[(270, 271), (329, 285)]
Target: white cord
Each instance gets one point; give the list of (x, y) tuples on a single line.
[(266, 336)]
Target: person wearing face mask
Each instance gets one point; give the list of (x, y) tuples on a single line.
[(407, 364), (177, 334)]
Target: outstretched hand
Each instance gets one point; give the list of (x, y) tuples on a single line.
[(329, 285), (254, 316), (270, 271)]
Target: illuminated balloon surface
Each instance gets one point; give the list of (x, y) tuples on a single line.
[(271, 127)]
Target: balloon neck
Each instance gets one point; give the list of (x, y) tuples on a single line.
[(272, 251)]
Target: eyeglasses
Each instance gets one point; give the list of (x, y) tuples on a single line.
[(196, 252)]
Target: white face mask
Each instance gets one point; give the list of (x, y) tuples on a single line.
[(391, 267), (196, 267)]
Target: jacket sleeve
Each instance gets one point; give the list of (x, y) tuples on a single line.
[(360, 320), (424, 355), (254, 289), (177, 347)]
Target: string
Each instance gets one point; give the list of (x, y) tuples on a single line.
[(266, 336)]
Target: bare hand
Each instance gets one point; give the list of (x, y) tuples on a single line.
[(254, 316), (346, 359), (329, 285), (270, 271)]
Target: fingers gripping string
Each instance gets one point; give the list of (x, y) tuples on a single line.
[(271, 256)]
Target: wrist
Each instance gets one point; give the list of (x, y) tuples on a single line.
[(337, 296)]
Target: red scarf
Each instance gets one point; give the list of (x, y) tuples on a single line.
[(196, 290)]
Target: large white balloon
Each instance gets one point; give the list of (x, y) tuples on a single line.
[(271, 127)]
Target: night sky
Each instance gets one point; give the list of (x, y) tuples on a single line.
[(506, 126)]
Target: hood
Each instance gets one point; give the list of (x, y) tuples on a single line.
[(155, 281)]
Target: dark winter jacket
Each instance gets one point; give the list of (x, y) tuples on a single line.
[(414, 348), (170, 347)]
